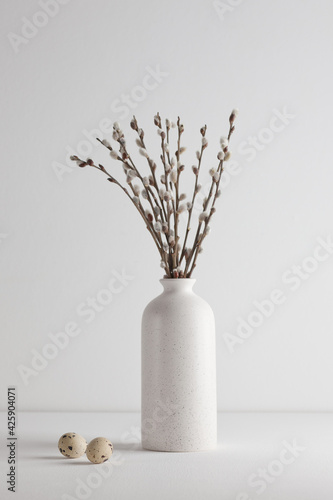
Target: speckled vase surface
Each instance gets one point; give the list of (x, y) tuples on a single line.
[(178, 371)]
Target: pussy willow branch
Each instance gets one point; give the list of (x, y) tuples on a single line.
[(139, 207), (164, 201), (126, 156), (170, 204), (134, 125), (195, 192), (158, 124), (168, 210), (200, 237), (146, 188), (148, 191), (176, 217)]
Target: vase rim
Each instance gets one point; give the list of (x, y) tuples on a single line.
[(170, 285), (177, 279)]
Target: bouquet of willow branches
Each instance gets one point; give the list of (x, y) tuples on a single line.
[(159, 199)]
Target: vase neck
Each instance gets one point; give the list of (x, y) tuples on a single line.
[(180, 285)]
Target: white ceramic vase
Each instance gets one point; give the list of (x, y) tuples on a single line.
[(178, 371)]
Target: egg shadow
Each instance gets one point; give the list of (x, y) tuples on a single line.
[(128, 447), (63, 460)]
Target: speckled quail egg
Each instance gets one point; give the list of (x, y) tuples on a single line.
[(99, 450), (72, 445)]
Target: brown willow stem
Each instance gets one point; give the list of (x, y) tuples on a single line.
[(163, 213), (188, 227), (162, 207), (198, 242), (140, 209), (195, 250), (176, 215), (137, 173), (147, 188)]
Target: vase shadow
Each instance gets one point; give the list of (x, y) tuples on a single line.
[(127, 446)]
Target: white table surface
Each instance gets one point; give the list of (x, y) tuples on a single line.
[(249, 444)]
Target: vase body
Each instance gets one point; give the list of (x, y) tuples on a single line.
[(178, 371)]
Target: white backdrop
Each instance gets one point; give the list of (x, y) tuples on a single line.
[(66, 234)]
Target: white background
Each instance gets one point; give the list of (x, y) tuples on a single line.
[(62, 236)]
